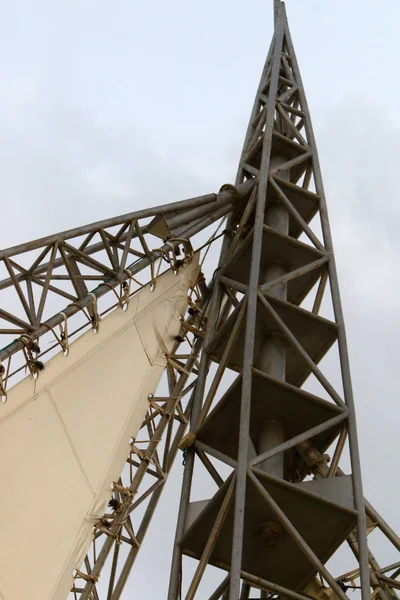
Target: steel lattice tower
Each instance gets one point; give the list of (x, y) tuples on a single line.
[(245, 368), (266, 524)]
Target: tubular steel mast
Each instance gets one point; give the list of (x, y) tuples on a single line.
[(269, 524), (282, 507)]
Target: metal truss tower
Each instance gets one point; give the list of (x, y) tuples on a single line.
[(249, 367), (283, 511)]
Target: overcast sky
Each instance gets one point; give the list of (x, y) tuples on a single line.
[(107, 107)]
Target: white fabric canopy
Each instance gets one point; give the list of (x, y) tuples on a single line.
[(65, 437)]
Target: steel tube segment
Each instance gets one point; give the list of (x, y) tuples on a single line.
[(221, 367), (206, 221), (382, 591), (344, 359), (266, 287), (240, 287), (311, 235), (390, 581), (245, 592), (272, 358), (391, 567), (276, 8), (250, 128), (210, 467), (215, 453), (294, 342), (248, 356), (225, 196), (383, 526), (262, 584), (220, 589), (298, 439), (272, 435), (337, 453), (175, 580)]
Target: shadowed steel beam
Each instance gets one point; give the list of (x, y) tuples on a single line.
[(244, 595), (220, 589)]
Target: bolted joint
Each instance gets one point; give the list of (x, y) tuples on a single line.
[(228, 187), (30, 344), (187, 441), (122, 490), (85, 577), (313, 459)]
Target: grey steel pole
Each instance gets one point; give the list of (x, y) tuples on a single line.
[(272, 358), (276, 9), (241, 471)]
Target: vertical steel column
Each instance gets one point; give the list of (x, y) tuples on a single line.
[(242, 465), (250, 127), (276, 9), (272, 434), (272, 357), (280, 92)]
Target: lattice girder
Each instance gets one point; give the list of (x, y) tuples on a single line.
[(48, 283), (280, 267)]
